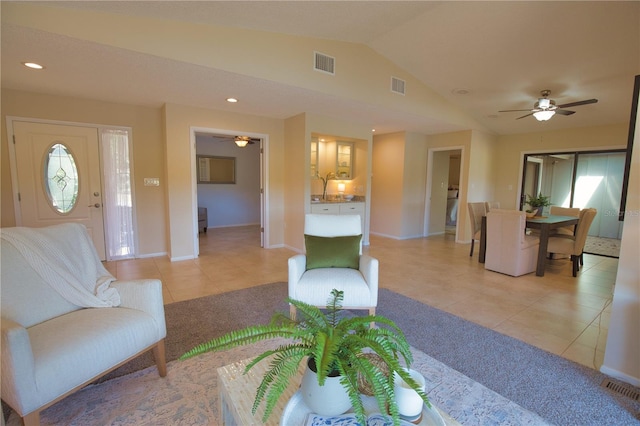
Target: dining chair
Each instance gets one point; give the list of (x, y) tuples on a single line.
[(509, 250), (564, 211), (492, 205), (573, 245), (476, 212)]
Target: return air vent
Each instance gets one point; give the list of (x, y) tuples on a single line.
[(397, 85), (625, 390), (324, 63)]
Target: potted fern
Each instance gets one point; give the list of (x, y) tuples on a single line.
[(332, 343), (538, 203)]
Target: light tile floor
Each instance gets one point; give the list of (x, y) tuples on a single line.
[(558, 313)]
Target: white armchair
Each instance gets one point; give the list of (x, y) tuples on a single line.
[(52, 347), (359, 281), (509, 250)]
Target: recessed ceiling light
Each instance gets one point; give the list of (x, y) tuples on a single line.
[(33, 65), (232, 100), (460, 91)]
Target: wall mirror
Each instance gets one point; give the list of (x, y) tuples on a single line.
[(213, 169)]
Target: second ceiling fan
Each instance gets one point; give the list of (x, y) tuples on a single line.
[(546, 108)]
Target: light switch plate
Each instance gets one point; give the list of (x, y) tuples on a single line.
[(151, 181)]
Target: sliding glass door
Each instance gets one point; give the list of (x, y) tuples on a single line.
[(579, 179)]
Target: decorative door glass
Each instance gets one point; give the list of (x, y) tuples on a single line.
[(61, 178)]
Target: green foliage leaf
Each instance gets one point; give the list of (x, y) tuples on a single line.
[(335, 342)]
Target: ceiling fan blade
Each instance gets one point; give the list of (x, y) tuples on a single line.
[(514, 110), (572, 104), (524, 116), (564, 112)]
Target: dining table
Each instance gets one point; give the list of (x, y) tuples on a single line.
[(544, 224)]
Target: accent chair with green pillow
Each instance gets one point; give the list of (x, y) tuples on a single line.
[(333, 259)]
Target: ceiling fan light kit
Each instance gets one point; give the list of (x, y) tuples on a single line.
[(544, 115), (242, 141), (546, 108)]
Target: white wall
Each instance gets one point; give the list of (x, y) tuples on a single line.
[(232, 204)]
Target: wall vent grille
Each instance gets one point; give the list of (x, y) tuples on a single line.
[(324, 63), (622, 389), (397, 85)]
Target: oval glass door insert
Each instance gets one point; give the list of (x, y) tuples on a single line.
[(61, 178)]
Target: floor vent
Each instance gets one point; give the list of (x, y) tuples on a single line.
[(397, 85), (324, 63), (625, 390)]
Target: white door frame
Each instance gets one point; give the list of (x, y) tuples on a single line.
[(264, 180), (461, 188)]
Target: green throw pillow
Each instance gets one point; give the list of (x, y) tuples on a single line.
[(332, 252)]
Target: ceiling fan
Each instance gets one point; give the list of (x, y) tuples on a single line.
[(243, 141), (546, 108)]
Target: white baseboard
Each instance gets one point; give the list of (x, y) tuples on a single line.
[(635, 381), (395, 237), (147, 255)]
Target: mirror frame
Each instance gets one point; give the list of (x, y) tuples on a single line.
[(216, 170)]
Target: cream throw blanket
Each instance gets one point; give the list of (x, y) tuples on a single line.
[(65, 257)]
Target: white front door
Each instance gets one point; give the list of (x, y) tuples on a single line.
[(59, 178)]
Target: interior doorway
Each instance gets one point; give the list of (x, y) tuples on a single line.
[(239, 199), (444, 170)]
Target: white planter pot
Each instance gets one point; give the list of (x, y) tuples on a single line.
[(330, 399)]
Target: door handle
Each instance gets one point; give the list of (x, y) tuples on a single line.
[(96, 205)]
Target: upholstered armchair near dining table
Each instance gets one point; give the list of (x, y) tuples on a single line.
[(509, 250)]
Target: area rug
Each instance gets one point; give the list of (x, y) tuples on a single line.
[(609, 247), (189, 395), (558, 390)]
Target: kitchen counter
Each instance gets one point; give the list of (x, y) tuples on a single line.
[(356, 199)]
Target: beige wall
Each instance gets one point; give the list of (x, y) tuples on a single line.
[(386, 184), (398, 185), (511, 148), (413, 188), (297, 157), (148, 153), (179, 120)]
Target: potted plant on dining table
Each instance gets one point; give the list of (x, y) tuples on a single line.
[(337, 348), (537, 203)]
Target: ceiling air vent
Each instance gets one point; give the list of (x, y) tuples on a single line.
[(397, 85), (324, 63)]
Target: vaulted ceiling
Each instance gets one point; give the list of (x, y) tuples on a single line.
[(480, 57)]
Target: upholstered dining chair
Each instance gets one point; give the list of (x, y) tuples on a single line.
[(492, 205), (509, 250), (333, 259), (476, 211), (573, 245), (564, 211)]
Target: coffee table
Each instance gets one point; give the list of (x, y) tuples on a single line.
[(237, 393)]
